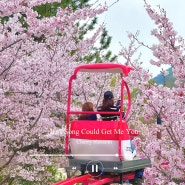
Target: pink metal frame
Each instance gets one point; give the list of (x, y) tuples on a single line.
[(89, 179), (103, 67)]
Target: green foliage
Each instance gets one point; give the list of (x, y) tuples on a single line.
[(135, 92), (4, 19), (23, 22), (98, 54), (50, 9), (85, 28), (75, 4), (22, 181), (55, 174), (1, 176), (113, 81), (105, 39)]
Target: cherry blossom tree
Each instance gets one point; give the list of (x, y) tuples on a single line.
[(37, 56), (158, 111)]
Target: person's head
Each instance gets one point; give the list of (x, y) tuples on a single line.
[(108, 95), (108, 99), (87, 106)]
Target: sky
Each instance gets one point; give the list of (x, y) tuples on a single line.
[(130, 16)]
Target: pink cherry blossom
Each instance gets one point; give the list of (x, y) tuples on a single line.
[(154, 101)]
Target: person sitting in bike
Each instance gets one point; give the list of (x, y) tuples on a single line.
[(87, 106), (108, 106)]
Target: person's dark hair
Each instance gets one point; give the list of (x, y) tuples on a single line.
[(107, 103), (108, 100)]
